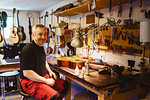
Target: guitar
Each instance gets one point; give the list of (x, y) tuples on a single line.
[(48, 37), (3, 19), (46, 15), (30, 27), (14, 35), (21, 29), (71, 62), (1, 37)]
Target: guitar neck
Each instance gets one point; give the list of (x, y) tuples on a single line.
[(18, 18), (14, 10), (46, 15), (45, 21), (52, 18), (13, 20)]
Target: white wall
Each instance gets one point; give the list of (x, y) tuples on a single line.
[(107, 56), (23, 21)]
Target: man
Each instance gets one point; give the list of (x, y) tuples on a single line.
[(37, 78)]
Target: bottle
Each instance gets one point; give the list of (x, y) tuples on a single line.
[(82, 73), (77, 70), (87, 68)]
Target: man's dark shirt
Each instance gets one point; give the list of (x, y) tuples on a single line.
[(33, 58)]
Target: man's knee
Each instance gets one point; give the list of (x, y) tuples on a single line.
[(56, 97), (66, 86)]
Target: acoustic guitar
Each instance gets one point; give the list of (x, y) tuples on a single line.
[(48, 37), (14, 35), (3, 19), (1, 37), (21, 29), (70, 62)]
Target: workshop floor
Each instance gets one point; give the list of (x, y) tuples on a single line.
[(12, 96), (75, 90)]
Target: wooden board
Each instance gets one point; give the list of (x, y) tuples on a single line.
[(90, 19), (100, 4)]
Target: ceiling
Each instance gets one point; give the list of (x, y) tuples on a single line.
[(28, 5)]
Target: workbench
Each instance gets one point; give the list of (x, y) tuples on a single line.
[(99, 84), (9, 65)]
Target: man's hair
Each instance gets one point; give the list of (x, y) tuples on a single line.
[(34, 28)]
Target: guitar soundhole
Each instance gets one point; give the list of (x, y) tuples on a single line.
[(13, 31)]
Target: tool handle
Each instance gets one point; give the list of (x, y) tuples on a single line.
[(140, 3)]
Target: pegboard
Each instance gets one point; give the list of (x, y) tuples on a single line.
[(117, 43)]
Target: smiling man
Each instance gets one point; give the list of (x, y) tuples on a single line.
[(37, 78)]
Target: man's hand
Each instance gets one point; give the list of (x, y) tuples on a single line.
[(50, 81), (53, 75)]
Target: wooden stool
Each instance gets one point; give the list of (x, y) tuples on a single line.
[(3, 76)]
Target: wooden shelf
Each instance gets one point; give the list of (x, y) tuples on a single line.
[(74, 11), (100, 4)]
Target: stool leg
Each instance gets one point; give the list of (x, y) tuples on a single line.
[(3, 88)]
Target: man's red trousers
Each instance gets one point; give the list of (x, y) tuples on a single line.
[(42, 90)]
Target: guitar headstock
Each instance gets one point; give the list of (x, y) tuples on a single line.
[(14, 10), (17, 12), (46, 14)]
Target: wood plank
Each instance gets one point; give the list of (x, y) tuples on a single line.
[(100, 80), (74, 11), (93, 82), (4, 66), (100, 4), (68, 94)]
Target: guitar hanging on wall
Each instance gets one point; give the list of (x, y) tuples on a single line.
[(1, 37), (3, 24), (14, 35), (21, 29), (30, 26), (48, 37)]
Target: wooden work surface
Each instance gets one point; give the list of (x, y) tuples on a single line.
[(99, 84), (93, 80), (9, 65)]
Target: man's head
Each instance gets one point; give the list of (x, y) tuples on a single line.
[(39, 34)]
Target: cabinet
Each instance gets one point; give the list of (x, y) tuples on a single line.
[(100, 4)]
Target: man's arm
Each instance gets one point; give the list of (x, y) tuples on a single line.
[(30, 74), (51, 73), (48, 68)]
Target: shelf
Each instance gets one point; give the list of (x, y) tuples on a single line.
[(100, 4), (74, 11)]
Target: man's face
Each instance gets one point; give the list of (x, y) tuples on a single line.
[(40, 36)]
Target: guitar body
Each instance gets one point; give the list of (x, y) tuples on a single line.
[(70, 62), (22, 33), (14, 35), (1, 37), (21, 29)]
